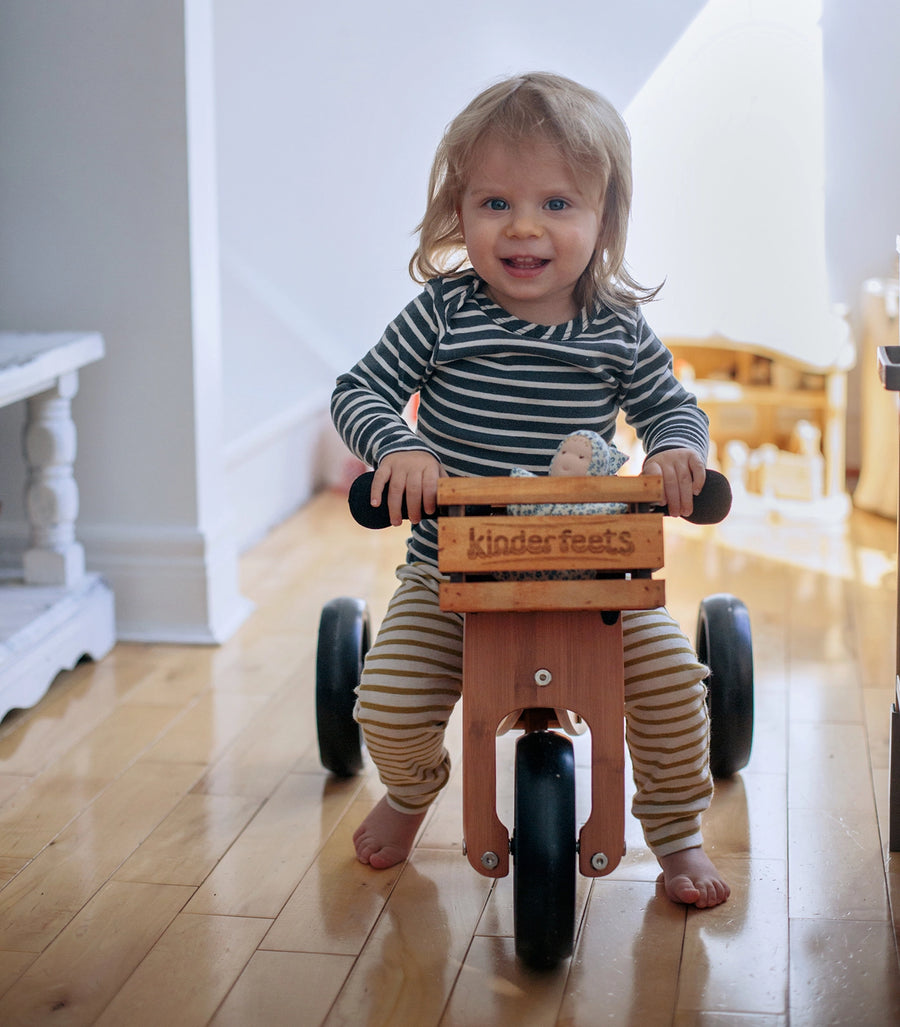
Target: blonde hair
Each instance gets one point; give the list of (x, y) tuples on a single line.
[(591, 137)]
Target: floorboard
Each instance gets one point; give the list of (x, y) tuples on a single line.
[(171, 851)]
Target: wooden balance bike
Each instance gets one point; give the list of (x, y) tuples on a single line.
[(543, 652)]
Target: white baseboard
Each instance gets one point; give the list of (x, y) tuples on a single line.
[(273, 470), (171, 584)]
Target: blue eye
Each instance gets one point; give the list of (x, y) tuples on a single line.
[(497, 204), (557, 204)]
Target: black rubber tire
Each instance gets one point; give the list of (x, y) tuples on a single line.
[(343, 643), (544, 852), (725, 645)]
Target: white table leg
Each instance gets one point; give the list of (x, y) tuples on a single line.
[(51, 495)]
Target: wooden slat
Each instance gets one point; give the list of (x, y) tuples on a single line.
[(482, 545), (353, 895), (221, 945), (477, 999), (607, 975), (92, 958), (407, 971), (581, 659), (286, 825), (286, 988), (501, 491), (636, 594), (189, 843), (44, 897), (38, 812)]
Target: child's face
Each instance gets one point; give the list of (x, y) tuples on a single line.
[(530, 229)]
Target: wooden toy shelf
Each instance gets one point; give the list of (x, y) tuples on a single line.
[(756, 395)]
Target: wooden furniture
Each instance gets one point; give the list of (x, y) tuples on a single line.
[(757, 396), (543, 647), (540, 645), (51, 612)]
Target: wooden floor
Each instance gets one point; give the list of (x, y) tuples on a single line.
[(171, 852)]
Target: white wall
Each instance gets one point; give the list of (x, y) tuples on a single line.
[(767, 149), (861, 43), (729, 165), (328, 119), (861, 54), (109, 222)]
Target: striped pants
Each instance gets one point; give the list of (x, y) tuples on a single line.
[(412, 679)]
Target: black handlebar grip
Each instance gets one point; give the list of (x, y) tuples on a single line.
[(713, 502), (360, 500)]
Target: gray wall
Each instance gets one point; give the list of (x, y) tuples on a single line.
[(109, 219)]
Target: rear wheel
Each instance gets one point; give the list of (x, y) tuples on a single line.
[(544, 849), (343, 643), (724, 644)]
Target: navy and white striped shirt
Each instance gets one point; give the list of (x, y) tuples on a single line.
[(497, 392)]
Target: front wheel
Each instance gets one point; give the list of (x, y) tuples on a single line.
[(724, 644), (343, 644), (544, 849)]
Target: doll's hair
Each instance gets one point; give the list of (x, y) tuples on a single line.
[(591, 137)]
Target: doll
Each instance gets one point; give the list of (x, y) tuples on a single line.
[(581, 453)]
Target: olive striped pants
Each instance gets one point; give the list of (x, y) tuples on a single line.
[(412, 679)]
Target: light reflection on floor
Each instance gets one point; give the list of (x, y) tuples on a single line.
[(860, 547)]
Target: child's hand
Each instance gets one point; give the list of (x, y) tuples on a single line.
[(413, 473), (683, 474)]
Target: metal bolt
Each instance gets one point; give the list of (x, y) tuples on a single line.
[(542, 677), (599, 861), (490, 860)]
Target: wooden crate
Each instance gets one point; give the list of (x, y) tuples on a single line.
[(475, 548)]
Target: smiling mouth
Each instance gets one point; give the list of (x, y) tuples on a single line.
[(525, 263), (524, 267)]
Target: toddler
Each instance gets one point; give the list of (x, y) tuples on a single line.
[(528, 328)]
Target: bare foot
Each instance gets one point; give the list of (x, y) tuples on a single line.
[(690, 877), (386, 836)]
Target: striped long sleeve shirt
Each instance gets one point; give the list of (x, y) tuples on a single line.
[(497, 392)]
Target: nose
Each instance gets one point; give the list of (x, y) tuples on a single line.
[(524, 224)]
